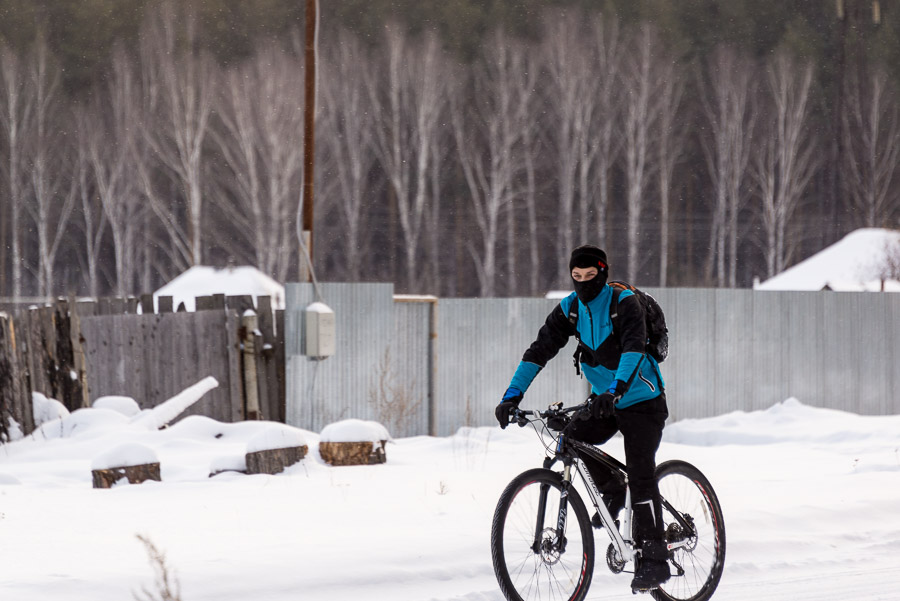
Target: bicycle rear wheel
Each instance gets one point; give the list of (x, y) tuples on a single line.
[(528, 560), (686, 490)]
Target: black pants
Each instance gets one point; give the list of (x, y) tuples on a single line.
[(641, 426)]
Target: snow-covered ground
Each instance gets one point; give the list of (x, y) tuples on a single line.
[(811, 500)]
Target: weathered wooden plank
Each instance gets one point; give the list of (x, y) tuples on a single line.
[(79, 366), (203, 303), (235, 397), (68, 383), (15, 399), (239, 303), (147, 304), (265, 318), (279, 348), (164, 303)]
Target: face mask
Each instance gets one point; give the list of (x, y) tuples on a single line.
[(588, 291)]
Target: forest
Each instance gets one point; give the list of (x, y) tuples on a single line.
[(462, 147)]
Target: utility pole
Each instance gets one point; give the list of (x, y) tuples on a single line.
[(309, 117)]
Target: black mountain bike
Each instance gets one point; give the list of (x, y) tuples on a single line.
[(539, 554)]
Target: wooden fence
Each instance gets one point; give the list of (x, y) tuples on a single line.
[(77, 351)]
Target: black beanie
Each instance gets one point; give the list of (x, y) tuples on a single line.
[(588, 256)]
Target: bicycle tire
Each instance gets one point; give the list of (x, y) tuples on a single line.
[(690, 493), (525, 574)]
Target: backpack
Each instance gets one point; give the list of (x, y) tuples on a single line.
[(657, 332)]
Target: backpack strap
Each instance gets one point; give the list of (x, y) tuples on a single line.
[(614, 305), (573, 319)]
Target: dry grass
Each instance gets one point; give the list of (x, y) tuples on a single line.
[(165, 586)]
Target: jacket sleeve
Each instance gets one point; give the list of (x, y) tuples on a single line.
[(633, 339), (552, 336)]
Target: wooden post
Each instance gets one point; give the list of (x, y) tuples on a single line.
[(15, 399), (240, 303), (267, 370), (251, 384), (203, 303), (165, 304), (147, 304), (68, 380), (281, 387), (232, 335), (79, 363)]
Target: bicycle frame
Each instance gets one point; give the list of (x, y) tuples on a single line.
[(625, 547)]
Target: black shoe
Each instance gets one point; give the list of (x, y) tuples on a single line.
[(653, 567)]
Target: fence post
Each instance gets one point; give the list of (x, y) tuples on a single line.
[(251, 383), (15, 398)]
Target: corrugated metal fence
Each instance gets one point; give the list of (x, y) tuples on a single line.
[(434, 366)]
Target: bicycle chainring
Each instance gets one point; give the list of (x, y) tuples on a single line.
[(614, 560)]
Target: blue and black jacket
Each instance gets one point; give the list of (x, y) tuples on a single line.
[(612, 359)]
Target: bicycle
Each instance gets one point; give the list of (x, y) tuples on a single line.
[(537, 555)]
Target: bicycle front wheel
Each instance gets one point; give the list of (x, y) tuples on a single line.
[(698, 531), (531, 560)]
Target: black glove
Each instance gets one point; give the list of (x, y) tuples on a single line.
[(511, 399), (603, 405), (585, 412)]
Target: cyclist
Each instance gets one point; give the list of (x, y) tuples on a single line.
[(626, 396)]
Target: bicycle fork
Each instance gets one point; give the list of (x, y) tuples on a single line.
[(558, 541)]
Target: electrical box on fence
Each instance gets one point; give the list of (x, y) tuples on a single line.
[(320, 331)]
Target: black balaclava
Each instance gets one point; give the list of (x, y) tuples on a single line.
[(589, 256)]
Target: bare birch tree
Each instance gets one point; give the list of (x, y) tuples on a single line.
[(726, 100), (527, 99), (261, 142), (112, 139), (669, 141), (608, 49), (52, 201), (488, 135), (641, 116), (571, 95), (177, 133), (17, 106), (346, 131), (785, 158), (92, 222), (407, 105), (871, 135)]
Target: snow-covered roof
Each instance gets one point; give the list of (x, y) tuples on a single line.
[(850, 264), (231, 281)]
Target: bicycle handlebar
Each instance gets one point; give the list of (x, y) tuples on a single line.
[(520, 416)]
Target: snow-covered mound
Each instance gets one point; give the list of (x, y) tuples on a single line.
[(788, 421)]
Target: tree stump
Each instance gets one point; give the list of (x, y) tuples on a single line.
[(353, 453), (274, 461), (136, 474)]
